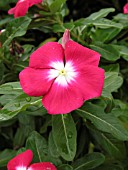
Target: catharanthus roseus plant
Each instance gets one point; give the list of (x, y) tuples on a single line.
[(22, 7), (65, 77), (23, 160), (80, 77), (125, 9)]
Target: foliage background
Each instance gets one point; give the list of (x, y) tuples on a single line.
[(92, 137)]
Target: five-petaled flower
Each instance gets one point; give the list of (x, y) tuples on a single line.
[(23, 160), (65, 75), (125, 8), (22, 7)]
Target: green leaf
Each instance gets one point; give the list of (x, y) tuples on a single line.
[(109, 167), (122, 18), (11, 88), (111, 68), (27, 123), (61, 28), (56, 5), (64, 135), (15, 28), (19, 138), (107, 51), (123, 50), (114, 148), (89, 161), (38, 145), (102, 121), (107, 34), (6, 156), (2, 70), (52, 147), (112, 82), (5, 21), (19, 103), (106, 23), (98, 20), (100, 14), (6, 3), (6, 115), (4, 99), (65, 167)]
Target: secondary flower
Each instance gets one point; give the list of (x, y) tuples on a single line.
[(22, 7), (65, 77), (23, 160), (125, 9)]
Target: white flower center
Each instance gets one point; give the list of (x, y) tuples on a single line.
[(21, 168), (62, 74)]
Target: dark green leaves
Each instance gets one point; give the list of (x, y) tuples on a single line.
[(96, 135), (107, 51), (113, 147), (16, 101), (104, 122), (89, 161), (112, 82), (64, 135), (56, 5), (15, 28), (38, 145), (101, 13), (5, 156), (10, 88)]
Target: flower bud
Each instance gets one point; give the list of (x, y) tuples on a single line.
[(65, 38)]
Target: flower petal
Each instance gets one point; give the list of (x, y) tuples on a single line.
[(42, 166), (33, 2), (21, 8), (90, 82), (125, 9), (11, 11), (44, 56), (35, 82), (62, 97), (79, 54), (21, 161)]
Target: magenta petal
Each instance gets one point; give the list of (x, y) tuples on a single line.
[(42, 166), (62, 99), (11, 11), (21, 160), (125, 9), (45, 55), (21, 8), (33, 2), (79, 54), (35, 82), (90, 81)]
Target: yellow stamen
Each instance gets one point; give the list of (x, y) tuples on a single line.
[(62, 72)]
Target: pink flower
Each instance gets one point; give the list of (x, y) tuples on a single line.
[(125, 9), (23, 160), (22, 7), (65, 77)]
